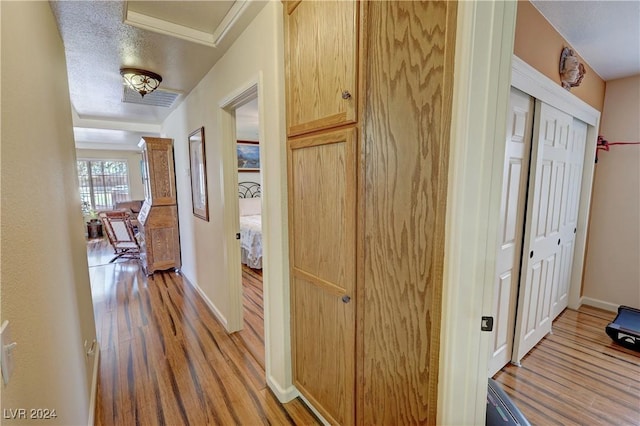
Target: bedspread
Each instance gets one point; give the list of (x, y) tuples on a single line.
[(251, 240)]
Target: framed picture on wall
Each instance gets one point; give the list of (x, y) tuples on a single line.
[(198, 174), (248, 156)]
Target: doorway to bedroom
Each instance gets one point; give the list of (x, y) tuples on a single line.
[(249, 199)]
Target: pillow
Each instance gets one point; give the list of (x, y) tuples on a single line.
[(250, 206)]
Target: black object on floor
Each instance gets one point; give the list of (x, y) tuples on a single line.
[(501, 410), (625, 329)]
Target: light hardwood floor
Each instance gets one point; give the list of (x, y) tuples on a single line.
[(577, 375), (252, 334), (165, 359)]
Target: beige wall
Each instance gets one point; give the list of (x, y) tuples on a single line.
[(256, 55), (612, 273), (45, 291), (539, 44), (133, 160), (250, 177)]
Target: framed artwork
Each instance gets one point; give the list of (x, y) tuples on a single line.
[(198, 174), (248, 156)]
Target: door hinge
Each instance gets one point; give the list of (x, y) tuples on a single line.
[(486, 324)]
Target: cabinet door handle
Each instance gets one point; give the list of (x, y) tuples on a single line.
[(346, 299), (346, 95)]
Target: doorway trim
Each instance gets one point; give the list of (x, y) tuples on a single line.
[(229, 182), (484, 60), (484, 46)]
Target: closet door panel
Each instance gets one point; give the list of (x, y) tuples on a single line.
[(571, 200), (514, 196), (542, 255)]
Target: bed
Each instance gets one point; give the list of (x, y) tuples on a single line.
[(250, 205)]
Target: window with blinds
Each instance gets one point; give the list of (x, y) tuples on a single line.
[(103, 183)]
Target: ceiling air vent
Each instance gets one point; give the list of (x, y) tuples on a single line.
[(159, 97)]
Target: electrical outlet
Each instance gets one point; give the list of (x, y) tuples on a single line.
[(6, 352)]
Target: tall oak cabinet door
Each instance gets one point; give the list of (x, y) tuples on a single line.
[(369, 89), (321, 46), (322, 232)]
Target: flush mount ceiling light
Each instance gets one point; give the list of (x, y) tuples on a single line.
[(142, 81)]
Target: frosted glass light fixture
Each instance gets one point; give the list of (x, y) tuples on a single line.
[(142, 81)]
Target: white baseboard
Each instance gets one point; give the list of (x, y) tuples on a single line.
[(94, 387), (212, 307), (283, 395), (601, 304)]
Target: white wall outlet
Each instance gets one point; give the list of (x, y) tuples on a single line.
[(6, 352)]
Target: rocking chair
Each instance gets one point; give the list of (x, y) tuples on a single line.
[(119, 230)]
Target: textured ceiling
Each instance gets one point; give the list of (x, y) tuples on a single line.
[(98, 43), (605, 33)]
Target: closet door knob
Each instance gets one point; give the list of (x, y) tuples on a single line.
[(346, 95), (531, 254), (346, 299)]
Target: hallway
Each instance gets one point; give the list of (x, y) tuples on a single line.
[(165, 359)]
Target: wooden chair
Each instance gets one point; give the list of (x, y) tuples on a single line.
[(119, 230)]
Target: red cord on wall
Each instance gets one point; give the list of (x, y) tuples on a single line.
[(604, 145)]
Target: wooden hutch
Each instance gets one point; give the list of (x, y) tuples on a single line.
[(158, 236)]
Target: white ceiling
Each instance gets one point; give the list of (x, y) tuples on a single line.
[(182, 40), (605, 33)]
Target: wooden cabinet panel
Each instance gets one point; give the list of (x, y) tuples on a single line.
[(322, 213), (159, 234), (367, 203), (162, 239), (324, 364), (322, 187), (159, 174), (321, 46), (406, 134)]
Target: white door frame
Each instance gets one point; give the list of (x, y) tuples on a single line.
[(484, 63), (229, 182)]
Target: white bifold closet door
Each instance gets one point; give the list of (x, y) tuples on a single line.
[(555, 174), (512, 209)]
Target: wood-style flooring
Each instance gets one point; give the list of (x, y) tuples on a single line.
[(166, 360), (577, 375), (253, 332)]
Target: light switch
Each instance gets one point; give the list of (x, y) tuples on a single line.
[(6, 351)]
